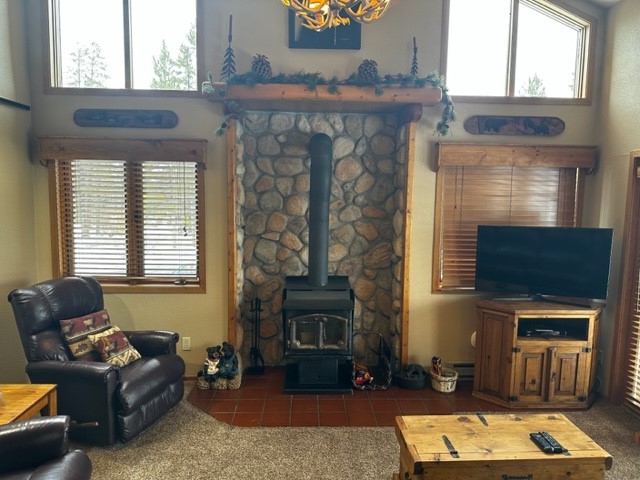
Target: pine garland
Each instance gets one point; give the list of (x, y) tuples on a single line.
[(313, 80)]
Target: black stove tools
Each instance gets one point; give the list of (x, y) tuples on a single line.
[(257, 362)]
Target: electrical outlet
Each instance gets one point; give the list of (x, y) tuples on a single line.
[(186, 343)]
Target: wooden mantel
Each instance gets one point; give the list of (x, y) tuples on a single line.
[(281, 97)]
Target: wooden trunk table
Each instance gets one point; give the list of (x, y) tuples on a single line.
[(23, 400), (496, 447)]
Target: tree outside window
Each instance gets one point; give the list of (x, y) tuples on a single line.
[(129, 44)]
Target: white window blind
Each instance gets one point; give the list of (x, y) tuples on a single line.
[(629, 321), (632, 394), (137, 221)]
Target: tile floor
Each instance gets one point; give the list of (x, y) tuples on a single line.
[(261, 401)]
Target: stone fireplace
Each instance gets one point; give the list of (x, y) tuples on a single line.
[(365, 215), (369, 219)]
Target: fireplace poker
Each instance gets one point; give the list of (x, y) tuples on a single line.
[(257, 362)]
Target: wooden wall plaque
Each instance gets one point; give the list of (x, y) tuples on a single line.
[(125, 118), (513, 125)]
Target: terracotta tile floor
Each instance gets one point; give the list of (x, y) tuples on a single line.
[(261, 401)]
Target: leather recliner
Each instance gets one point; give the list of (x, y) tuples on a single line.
[(39, 448), (122, 400)]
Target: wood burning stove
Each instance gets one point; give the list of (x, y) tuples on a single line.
[(317, 310), (318, 329)]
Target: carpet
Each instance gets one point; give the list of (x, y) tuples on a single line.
[(189, 444)]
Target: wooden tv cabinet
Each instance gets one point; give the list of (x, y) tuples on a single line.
[(532, 354)]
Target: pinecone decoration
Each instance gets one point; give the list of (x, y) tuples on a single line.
[(261, 67), (368, 71)]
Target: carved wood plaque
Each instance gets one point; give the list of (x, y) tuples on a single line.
[(508, 125), (125, 118)]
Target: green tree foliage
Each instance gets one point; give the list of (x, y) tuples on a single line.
[(88, 67), (186, 62), (534, 88), (164, 69), (176, 73)]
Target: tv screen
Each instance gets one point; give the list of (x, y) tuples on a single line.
[(538, 261)]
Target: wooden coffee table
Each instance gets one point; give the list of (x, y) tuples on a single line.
[(20, 401), (495, 446)]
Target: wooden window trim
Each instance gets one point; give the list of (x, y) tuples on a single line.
[(46, 26), (623, 331), (580, 159), (51, 149)]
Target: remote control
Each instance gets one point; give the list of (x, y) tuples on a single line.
[(546, 442), (557, 448)]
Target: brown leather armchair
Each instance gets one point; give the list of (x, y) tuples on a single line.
[(122, 400), (39, 448)]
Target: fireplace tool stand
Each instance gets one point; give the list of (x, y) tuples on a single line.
[(257, 362)]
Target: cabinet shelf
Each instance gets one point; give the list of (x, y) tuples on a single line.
[(556, 340)]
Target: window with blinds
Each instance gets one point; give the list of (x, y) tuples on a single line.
[(632, 394), (499, 185), (624, 386), (133, 222)]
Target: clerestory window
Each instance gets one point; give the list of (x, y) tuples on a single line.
[(129, 212), (124, 45), (518, 49)]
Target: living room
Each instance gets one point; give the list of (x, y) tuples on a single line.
[(437, 323)]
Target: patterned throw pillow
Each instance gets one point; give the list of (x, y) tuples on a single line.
[(77, 330), (114, 347)]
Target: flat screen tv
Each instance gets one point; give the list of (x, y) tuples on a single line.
[(543, 261)]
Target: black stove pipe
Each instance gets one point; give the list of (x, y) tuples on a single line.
[(321, 150)]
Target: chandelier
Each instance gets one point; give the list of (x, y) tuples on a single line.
[(321, 14)]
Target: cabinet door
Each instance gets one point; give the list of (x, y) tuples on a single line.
[(493, 355), (569, 369), (531, 364)]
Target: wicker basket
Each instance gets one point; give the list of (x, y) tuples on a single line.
[(446, 382)]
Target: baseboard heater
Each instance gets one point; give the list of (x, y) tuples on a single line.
[(465, 370)]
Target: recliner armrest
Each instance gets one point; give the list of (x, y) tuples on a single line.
[(77, 372), (153, 342), (29, 443)]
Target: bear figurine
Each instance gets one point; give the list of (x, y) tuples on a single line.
[(228, 366)]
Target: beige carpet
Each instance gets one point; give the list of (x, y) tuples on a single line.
[(189, 444)]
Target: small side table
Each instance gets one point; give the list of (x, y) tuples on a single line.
[(20, 401)]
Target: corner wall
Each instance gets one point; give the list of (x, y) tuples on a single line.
[(618, 133), (17, 254)]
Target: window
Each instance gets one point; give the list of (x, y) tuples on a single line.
[(124, 44), (517, 48), (500, 185), (129, 212)]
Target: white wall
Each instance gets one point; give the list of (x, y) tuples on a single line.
[(618, 134), (17, 238)]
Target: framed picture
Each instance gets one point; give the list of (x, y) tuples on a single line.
[(345, 37)]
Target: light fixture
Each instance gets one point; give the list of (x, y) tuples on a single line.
[(321, 14)]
